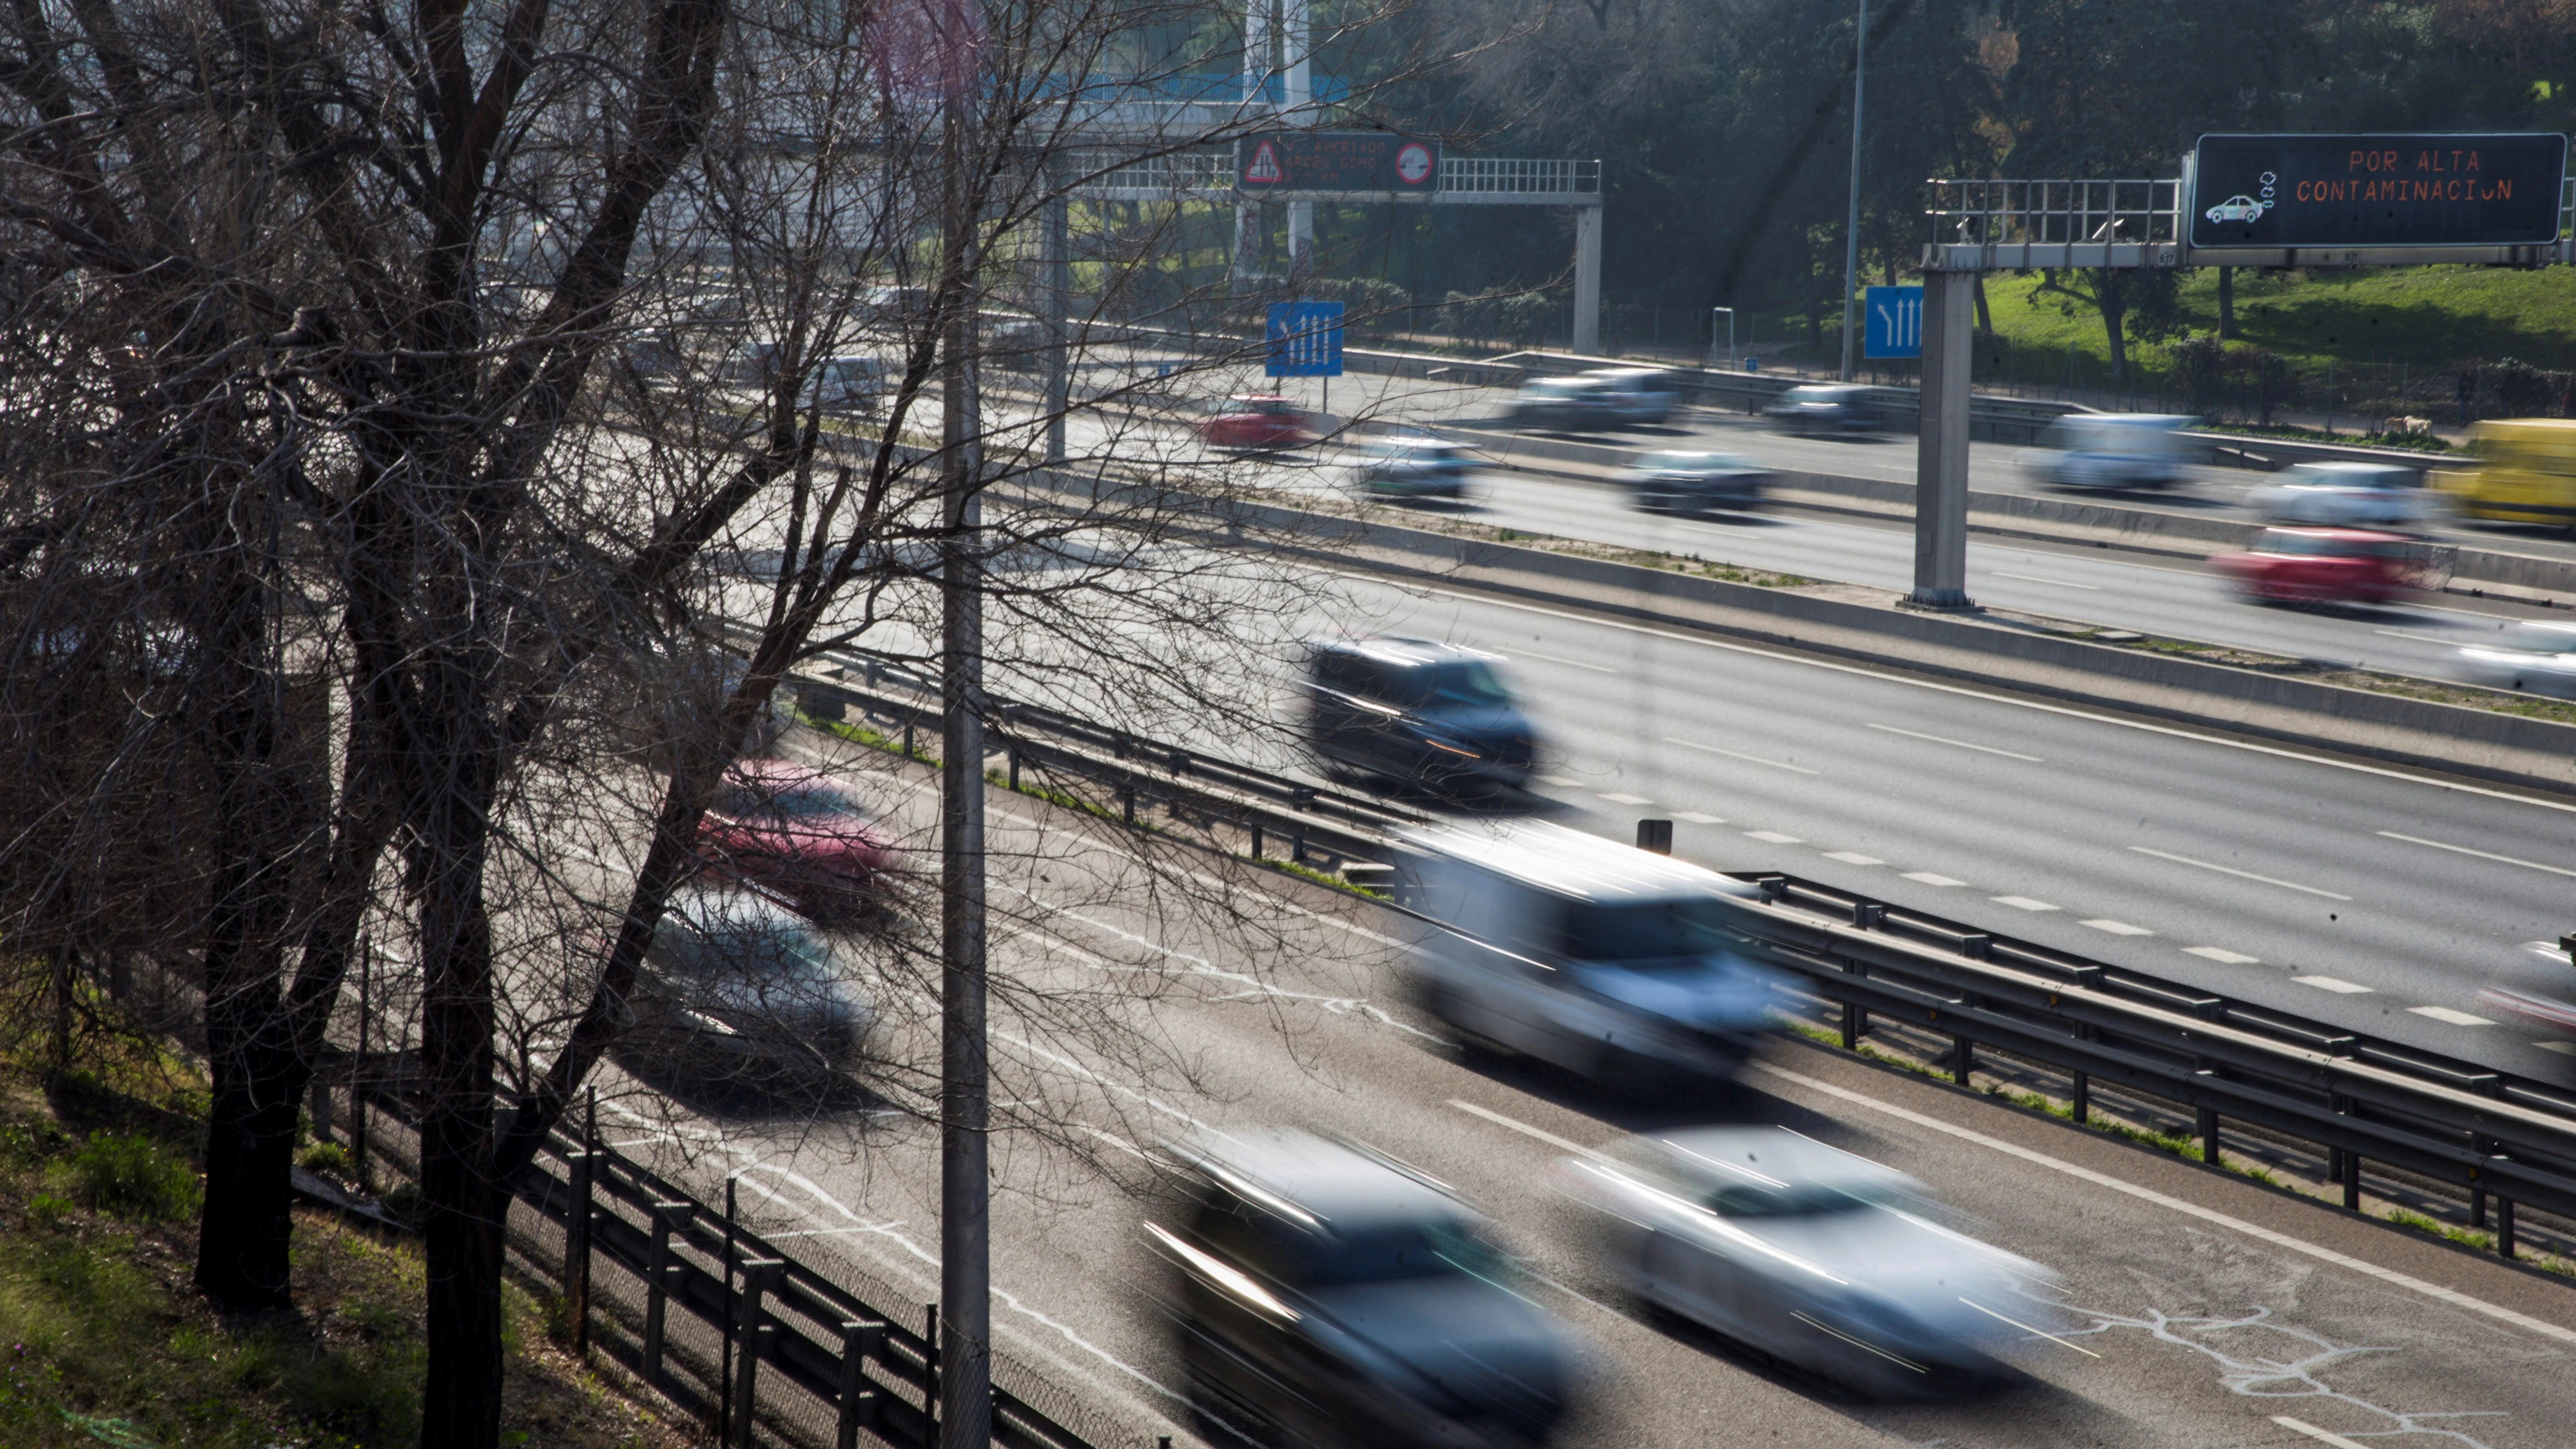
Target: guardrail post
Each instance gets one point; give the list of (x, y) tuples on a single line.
[(1963, 1059), (2079, 1103), (2209, 1149), (1127, 803), (907, 734), (668, 1217), (860, 1341), (930, 1374), (2487, 1086), (1656, 836), (1851, 1027), (1256, 839), (1015, 767), (750, 1326), (2504, 1227), (576, 1270)]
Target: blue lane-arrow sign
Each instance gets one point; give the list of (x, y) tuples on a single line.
[(1894, 322)]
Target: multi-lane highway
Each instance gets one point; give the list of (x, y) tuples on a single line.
[(2197, 1309)]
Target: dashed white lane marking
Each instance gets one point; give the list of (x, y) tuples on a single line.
[(2455, 1018), (2117, 928), (1695, 818), (2036, 579), (1773, 836), (1554, 659), (1853, 857), (2287, 885), (2329, 983), (1962, 744), (2322, 1436), (2480, 854), (2021, 903), (1962, 691), (1732, 755), (2222, 955), (2563, 1048), (1617, 799), (1526, 1130), (1928, 878), (2318, 1251)]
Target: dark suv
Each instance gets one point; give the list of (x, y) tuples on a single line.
[(1421, 713), (1323, 1294)]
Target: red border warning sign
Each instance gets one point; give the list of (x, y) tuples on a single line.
[(1336, 161)]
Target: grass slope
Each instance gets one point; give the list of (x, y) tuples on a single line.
[(103, 1339)]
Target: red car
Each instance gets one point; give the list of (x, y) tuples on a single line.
[(792, 829), (1257, 420), (2323, 565)]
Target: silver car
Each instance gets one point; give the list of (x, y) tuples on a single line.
[(2534, 658), (1809, 1254), (2348, 495), (1686, 482)]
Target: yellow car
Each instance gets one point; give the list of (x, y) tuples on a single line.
[(2524, 472)]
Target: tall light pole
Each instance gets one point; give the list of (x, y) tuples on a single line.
[(1851, 222)]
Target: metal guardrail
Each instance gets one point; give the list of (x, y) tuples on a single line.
[(777, 1315), (2486, 1132)]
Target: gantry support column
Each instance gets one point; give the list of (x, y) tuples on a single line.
[(1941, 444), (1587, 280)]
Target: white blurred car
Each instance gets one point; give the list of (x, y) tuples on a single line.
[(2535, 658), (2113, 450), (2348, 495), (1809, 1254)]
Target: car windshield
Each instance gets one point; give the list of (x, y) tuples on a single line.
[(1395, 1251), (1688, 926), (1467, 681), (748, 948), (1797, 1200)]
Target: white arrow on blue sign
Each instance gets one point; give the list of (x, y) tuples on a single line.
[(1894, 325), (1306, 339)]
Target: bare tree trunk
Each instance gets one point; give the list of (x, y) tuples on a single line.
[(2226, 302)]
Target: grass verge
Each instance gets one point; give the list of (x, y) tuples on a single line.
[(104, 1340)]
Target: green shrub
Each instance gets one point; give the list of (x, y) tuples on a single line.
[(329, 1159), (134, 1176)]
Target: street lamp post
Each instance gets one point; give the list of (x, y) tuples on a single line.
[(1851, 222)]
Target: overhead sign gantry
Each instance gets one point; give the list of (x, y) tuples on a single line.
[(2296, 200)]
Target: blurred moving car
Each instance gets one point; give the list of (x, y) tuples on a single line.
[(1808, 1254), (852, 384), (737, 988), (2536, 658), (1325, 1294), (2523, 471), (1681, 482), (1637, 394), (1824, 408), (2113, 450), (1573, 403), (2551, 1007), (1612, 962), (1413, 466), (798, 833), (1416, 712), (1260, 420), (2348, 495), (2322, 565)]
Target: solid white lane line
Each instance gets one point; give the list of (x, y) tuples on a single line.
[(1964, 692), (2411, 634), (1695, 818), (2021, 903), (2222, 955), (2318, 1251), (1773, 836), (1526, 1130), (2446, 1014), (1853, 857), (2036, 579), (2117, 928), (1962, 744), (2322, 1436), (1553, 659), (2026, 1328), (2480, 854), (2329, 983), (1930, 879), (2287, 885), (1732, 755)]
